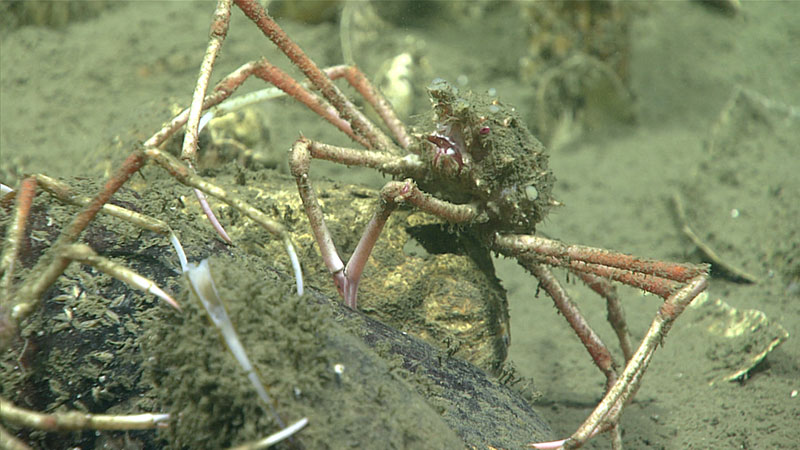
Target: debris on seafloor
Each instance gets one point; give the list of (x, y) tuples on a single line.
[(735, 340), (742, 203)]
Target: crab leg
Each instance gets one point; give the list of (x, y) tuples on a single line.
[(52, 265), (615, 315), (70, 421), (348, 111), (219, 29), (11, 247), (291, 87), (410, 165), (15, 233), (658, 277), (608, 410), (393, 193), (361, 83), (594, 345), (84, 254), (64, 193)]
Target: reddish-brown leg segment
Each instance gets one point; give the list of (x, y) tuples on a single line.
[(678, 284), (361, 125), (361, 83), (609, 409), (657, 277), (616, 317), (597, 349), (347, 277)]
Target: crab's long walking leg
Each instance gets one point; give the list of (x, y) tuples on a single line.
[(657, 277), (299, 164), (385, 163), (274, 438), (393, 193), (373, 96), (609, 409), (52, 265), (187, 177), (615, 315), (84, 254), (348, 111), (594, 345), (291, 87), (15, 234), (71, 421), (219, 29), (64, 193)]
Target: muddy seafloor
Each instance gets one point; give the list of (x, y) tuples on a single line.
[(74, 99)]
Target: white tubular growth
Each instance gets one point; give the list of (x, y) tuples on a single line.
[(202, 285), (273, 439), (298, 272)]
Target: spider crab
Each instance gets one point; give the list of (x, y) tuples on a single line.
[(477, 168)]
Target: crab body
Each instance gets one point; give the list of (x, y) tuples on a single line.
[(482, 154)]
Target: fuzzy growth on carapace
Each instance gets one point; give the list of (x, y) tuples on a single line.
[(483, 154)]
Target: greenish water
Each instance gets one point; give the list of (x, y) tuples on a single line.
[(73, 100)]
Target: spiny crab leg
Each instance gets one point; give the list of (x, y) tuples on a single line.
[(219, 29), (84, 254), (187, 177), (657, 277), (609, 409), (678, 284), (274, 438), (52, 265), (393, 193), (597, 349), (70, 421), (14, 234), (348, 111), (361, 83), (293, 88), (604, 288), (64, 193)]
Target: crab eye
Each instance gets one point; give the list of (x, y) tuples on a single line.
[(484, 130)]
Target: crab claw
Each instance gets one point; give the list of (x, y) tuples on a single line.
[(445, 147)]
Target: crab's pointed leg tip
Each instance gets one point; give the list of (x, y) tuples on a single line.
[(174, 303), (161, 420), (547, 445)]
